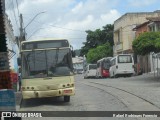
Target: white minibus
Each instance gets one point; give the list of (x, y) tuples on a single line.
[(122, 65), (90, 71)]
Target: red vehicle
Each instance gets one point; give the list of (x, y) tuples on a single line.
[(103, 66)]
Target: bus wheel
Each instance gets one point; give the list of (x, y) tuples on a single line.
[(66, 98)]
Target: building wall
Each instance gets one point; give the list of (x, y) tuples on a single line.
[(124, 26), (11, 46), (142, 30), (143, 61)]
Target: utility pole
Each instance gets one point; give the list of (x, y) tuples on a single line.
[(22, 32)]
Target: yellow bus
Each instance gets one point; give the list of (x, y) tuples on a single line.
[(47, 69)]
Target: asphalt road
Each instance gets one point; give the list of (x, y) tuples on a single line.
[(140, 93)]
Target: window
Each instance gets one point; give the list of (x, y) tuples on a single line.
[(45, 44), (106, 64), (113, 62), (98, 64), (92, 67), (158, 27), (124, 59)]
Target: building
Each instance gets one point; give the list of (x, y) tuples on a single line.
[(13, 52), (148, 62), (123, 30)]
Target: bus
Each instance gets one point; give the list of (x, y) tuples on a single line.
[(122, 65), (46, 69), (103, 66)]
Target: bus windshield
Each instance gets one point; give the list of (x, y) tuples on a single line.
[(46, 63)]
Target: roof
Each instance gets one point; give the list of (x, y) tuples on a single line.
[(150, 19), (153, 19), (104, 59), (136, 13), (44, 39), (140, 25)]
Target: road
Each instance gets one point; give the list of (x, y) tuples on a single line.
[(139, 93)]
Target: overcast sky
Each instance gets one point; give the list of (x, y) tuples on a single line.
[(71, 18)]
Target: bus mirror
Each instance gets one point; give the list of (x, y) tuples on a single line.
[(73, 53), (19, 61)]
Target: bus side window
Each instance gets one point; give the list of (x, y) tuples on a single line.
[(97, 65)]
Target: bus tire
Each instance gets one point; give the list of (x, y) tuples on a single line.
[(66, 98)]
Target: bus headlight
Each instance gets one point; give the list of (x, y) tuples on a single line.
[(23, 88)]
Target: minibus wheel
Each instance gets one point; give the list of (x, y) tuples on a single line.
[(66, 98)]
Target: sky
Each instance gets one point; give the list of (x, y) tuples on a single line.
[(71, 18)]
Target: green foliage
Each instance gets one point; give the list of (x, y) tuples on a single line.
[(99, 52), (97, 37), (157, 44), (146, 43)]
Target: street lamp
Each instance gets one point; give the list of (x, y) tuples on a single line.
[(34, 18), (24, 33), (34, 32)]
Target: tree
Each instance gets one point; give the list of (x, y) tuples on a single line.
[(97, 37), (99, 52), (108, 30), (146, 43)]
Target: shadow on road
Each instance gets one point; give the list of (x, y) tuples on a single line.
[(53, 101)]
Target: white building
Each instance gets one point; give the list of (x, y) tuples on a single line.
[(12, 47)]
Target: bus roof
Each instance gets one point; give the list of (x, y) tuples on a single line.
[(121, 55), (44, 43), (104, 59), (48, 39)]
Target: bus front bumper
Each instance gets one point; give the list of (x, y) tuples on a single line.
[(49, 93)]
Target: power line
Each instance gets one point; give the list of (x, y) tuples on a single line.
[(17, 7), (15, 15), (64, 34), (66, 28), (58, 26)]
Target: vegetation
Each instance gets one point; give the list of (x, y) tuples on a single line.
[(146, 43), (99, 52), (98, 44)]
